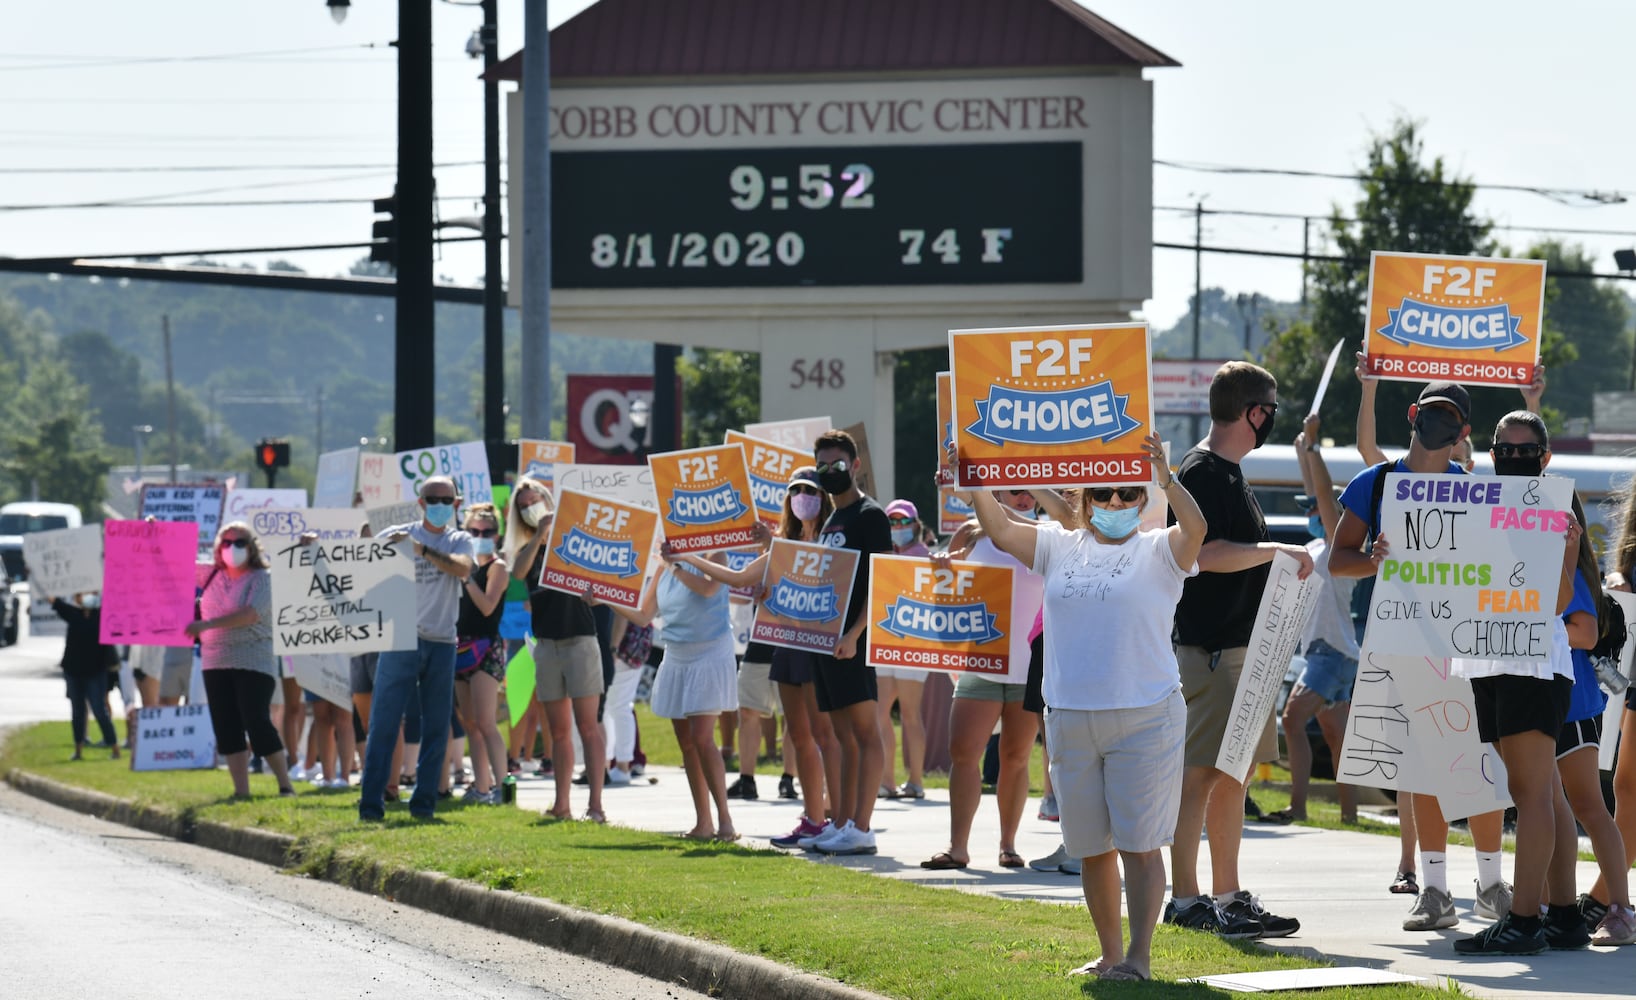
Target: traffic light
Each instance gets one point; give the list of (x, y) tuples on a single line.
[(384, 232), (272, 455)]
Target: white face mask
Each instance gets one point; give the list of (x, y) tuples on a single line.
[(534, 513), (91, 601), (235, 556)]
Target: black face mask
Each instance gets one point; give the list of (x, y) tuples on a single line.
[(1263, 432), (1437, 428), (835, 482), (1517, 466)]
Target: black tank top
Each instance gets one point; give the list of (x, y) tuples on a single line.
[(473, 624)]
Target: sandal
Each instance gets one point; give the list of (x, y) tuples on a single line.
[(1404, 885), (1282, 817), (1091, 968), (1123, 973), (943, 861), (910, 790), (1011, 859)]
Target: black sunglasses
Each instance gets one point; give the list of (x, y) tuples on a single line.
[(900, 522), (1527, 450), (839, 465), (483, 532), (237, 543), (1129, 494), (438, 500), (804, 488), (1271, 408)]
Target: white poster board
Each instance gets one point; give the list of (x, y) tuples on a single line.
[(1613, 716), (347, 596), (242, 505), (1474, 566), (337, 476), (198, 503), (799, 433), (66, 562), (632, 484), (379, 481), (1286, 604), (327, 675), (174, 738), (381, 518), (466, 463)]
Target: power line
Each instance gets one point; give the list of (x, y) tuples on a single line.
[(230, 252), (1354, 261), (1249, 213), (97, 62), (256, 203), (222, 168), (1556, 194)]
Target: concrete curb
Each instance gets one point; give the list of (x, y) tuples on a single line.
[(659, 955)]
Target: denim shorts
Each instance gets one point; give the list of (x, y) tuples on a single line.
[(1329, 672)]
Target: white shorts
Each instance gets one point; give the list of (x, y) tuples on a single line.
[(696, 678), (756, 691), (1118, 775), (901, 674)]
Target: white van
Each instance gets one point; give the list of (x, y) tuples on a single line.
[(24, 518)]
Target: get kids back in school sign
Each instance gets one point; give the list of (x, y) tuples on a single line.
[(705, 500), (1465, 319), (1051, 406)]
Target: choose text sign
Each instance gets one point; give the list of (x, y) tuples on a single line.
[(347, 596), (467, 464), (148, 582), (704, 498), (1465, 319), (770, 466), (954, 618), (807, 590), (598, 545), (1051, 406), (1474, 566), (1286, 604), (64, 563)]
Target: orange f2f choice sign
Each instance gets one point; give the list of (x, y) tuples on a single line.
[(705, 501), (954, 618), (1051, 406), (1462, 319), (599, 545)]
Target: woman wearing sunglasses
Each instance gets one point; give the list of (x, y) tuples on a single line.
[(904, 686), (1115, 719), (235, 636), (480, 656)]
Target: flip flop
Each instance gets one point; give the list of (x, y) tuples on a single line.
[(690, 835), (734, 837), (1092, 968), (1011, 859), (1123, 973), (1404, 885), (943, 861)]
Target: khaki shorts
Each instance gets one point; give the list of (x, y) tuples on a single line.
[(756, 691), (176, 672), (1117, 773), (1209, 695), (567, 668)]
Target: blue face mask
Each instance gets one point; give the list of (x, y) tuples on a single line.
[(1315, 525), (903, 537), (1031, 514), (1116, 523), (483, 546), (438, 515)]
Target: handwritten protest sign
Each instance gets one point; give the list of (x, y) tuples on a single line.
[(1612, 716), (1412, 727), (64, 563), (1051, 406), (381, 518), (346, 596), (955, 619), (770, 468), (703, 496), (337, 478), (600, 545), (1286, 604), (379, 481), (1465, 319), (277, 528), (632, 484), (798, 434), (466, 463), (1474, 567), (199, 504), (863, 475), (327, 675), (807, 590), (241, 505), (148, 581), (173, 738), (535, 458)]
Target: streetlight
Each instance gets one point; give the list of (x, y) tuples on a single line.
[(1625, 261), (137, 430), (640, 411), (338, 9)]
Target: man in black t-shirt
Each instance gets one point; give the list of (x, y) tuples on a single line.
[(1213, 624), (845, 683)]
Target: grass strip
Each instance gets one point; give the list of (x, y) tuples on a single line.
[(879, 934)]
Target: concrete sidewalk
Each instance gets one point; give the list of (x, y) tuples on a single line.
[(1333, 881)]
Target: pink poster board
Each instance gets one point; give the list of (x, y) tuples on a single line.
[(148, 581)]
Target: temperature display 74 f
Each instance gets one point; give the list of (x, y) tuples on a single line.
[(880, 215)]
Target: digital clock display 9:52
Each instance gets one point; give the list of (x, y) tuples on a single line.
[(822, 216)]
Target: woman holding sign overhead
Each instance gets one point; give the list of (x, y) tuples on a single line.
[(235, 636), (1115, 719)]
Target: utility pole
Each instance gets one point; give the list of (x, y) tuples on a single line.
[(1198, 271), (318, 439), (414, 381), (494, 301), (1306, 255), (170, 396), (536, 195)]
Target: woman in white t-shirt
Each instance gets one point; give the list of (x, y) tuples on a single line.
[(1114, 719)]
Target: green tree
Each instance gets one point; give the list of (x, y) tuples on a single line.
[(721, 391), (51, 444), (1591, 318)]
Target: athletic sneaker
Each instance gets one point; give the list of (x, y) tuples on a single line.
[(338, 784), (618, 776), (1504, 937), (1618, 927), (1070, 867), (743, 788), (805, 828), (1493, 902), (1048, 809), (827, 830), (850, 840), (1202, 914), (786, 787), (1592, 911), (1433, 910), (1051, 862), (1247, 909), (1565, 929)]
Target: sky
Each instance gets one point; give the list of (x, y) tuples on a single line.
[(1507, 93)]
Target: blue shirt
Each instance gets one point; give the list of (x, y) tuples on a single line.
[(1588, 697), (1359, 494), (690, 616)]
